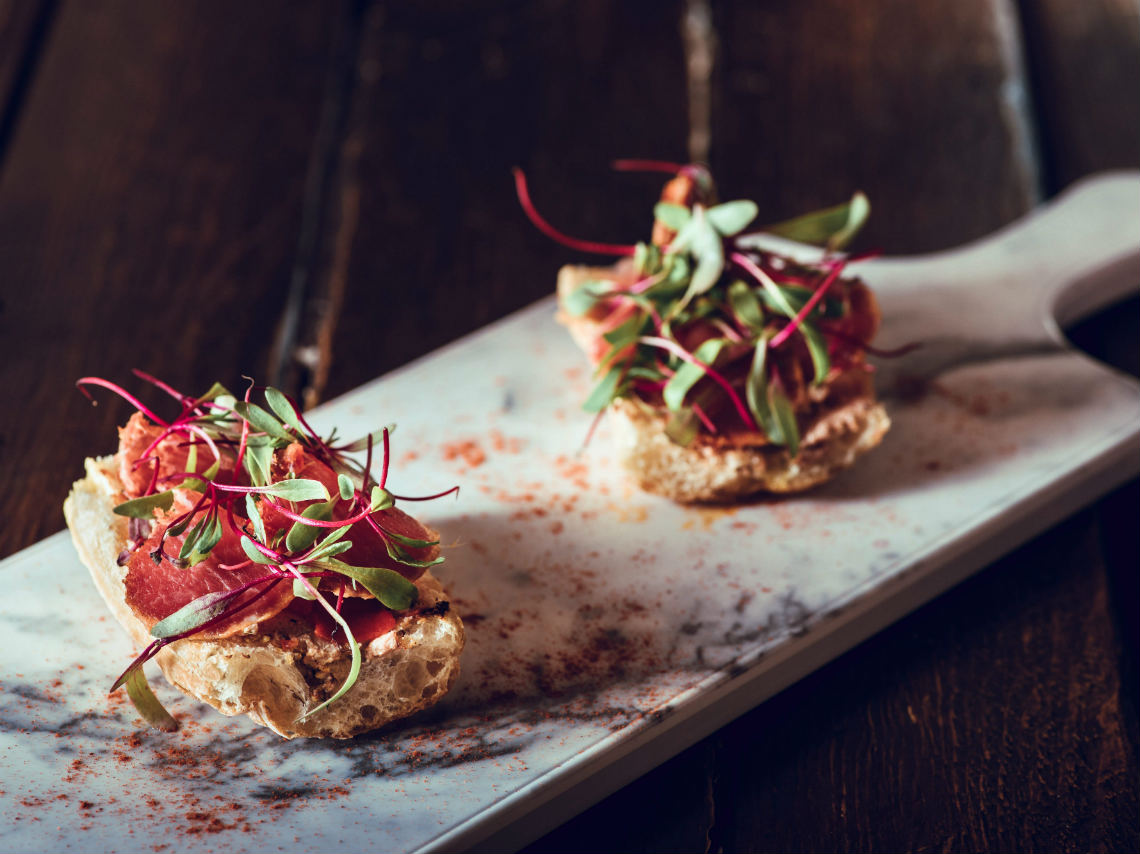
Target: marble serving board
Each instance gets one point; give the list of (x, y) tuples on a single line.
[(607, 628)]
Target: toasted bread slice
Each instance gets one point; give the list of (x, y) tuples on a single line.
[(843, 422), (279, 670), (716, 470)]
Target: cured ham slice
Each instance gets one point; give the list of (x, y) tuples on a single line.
[(157, 590)]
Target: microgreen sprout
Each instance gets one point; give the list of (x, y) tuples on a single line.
[(712, 325), (245, 477)]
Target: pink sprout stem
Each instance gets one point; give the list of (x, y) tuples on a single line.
[(387, 458), (785, 333), (553, 233), (634, 165), (700, 413), (121, 392), (454, 489), (678, 350)]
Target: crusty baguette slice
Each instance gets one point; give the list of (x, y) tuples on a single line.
[(280, 670), (719, 471), (842, 426)]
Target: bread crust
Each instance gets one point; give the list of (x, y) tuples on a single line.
[(278, 670), (713, 471)]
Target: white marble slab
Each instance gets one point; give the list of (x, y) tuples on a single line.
[(607, 628)]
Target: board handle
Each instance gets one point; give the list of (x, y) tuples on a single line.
[(1013, 290)]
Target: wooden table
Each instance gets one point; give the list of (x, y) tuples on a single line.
[(316, 194)]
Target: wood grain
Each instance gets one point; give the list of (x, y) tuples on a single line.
[(923, 106), (149, 207), (23, 28), (1085, 61), (428, 240)]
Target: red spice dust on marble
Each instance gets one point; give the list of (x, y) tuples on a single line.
[(466, 449)]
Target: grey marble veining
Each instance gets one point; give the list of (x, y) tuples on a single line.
[(597, 616)]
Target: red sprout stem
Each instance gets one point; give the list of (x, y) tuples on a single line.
[(594, 422), (367, 471), (553, 233), (677, 350), (700, 413), (316, 523), (634, 165), (387, 457), (121, 392), (785, 333), (157, 383), (454, 489), (234, 567), (865, 255)]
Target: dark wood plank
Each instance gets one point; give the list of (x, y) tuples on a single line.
[(991, 720), (920, 105), (428, 241), (1085, 61), (23, 27), (149, 209)]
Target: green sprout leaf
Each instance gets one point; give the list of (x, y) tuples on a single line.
[(584, 297), (192, 615), (345, 486), (300, 535), (144, 506), (756, 391), (283, 409), (262, 422), (785, 417), (646, 259), (199, 484), (258, 460), (216, 392), (604, 392), (682, 427), (411, 542), (731, 218), (147, 704), (388, 586), (674, 217), (746, 305), (296, 489), (254, 514), (205, 534), (329, 549), (796, 297), (354, 668), (817, 346), (301, 590), (381, 499), (376, 437), (706, 245), (254, 554), (688, 374), (397, 553), (832, 227)]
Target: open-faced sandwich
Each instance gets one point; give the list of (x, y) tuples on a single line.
[(729, 369), (264, 568)]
